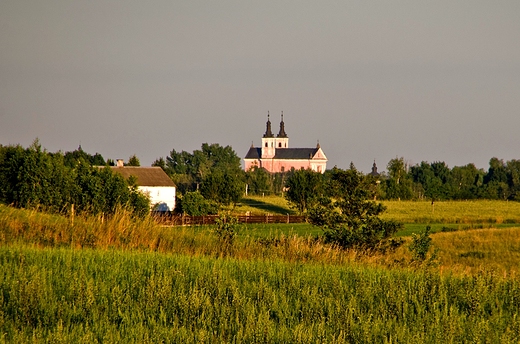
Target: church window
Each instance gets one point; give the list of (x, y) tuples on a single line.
[(279, 144), (266, 144)]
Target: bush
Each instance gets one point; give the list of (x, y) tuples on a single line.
[(348, 215), (420, 246)]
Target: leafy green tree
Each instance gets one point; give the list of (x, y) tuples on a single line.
[(513, 178), (160, 163), (223, 186), (398, 185), (133, 161), (73, 158), (348, 215), (189, 170), (259, 181), (424, 175), (304, 187), (496, 180), (34, 178), (193, 203), (465, 181)]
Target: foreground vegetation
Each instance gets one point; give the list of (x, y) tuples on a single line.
[(67, 295), (126, 279)]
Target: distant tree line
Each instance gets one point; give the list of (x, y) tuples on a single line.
[(34, 178), (436, 181)]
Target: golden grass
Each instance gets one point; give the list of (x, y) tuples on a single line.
[(481, 211), (470, 252), (463, 212), (460, 252)]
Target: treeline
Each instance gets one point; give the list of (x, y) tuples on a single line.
[(57, 182), (436, 181)]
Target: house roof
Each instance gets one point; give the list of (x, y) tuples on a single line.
[(146, 176), (284, 153)]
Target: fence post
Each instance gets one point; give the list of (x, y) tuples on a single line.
[(72, 214)]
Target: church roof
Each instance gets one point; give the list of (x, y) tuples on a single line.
[(254, 153), (295, 153), (284, 153)]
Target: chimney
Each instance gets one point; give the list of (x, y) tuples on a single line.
[(120, 163)]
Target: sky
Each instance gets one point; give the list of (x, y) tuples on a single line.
[(370, 80)]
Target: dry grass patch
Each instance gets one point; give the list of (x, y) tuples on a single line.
[(471, 252)]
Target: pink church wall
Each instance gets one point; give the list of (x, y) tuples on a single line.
[(274, 166)]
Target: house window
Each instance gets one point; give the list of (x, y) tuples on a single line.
[(282, 169)]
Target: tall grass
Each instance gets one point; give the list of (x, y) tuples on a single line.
[(460, 252), (66, 295), (472, 251)]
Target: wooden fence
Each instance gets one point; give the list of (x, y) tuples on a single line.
[(170, 219)]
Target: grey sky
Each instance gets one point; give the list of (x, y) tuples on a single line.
[(423, 80)]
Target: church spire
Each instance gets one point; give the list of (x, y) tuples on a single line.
[(374, 169), (268, 132), (282, 129)]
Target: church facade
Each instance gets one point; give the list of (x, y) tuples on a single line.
[(275, 155)]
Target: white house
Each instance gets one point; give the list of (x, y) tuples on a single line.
[(153, 182)]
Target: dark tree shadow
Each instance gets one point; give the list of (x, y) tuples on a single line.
[(270, 208)]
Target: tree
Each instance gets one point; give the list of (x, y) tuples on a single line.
[(304, 187), (193, 203), (188, 170), (466, 181), (223, 186), (347, 214), (259, 181), (79, 155), (398, 185), (35, 178), (496, 180), (133, 161)]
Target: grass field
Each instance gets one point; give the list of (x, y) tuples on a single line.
[(66, 295), (121, 279), (450, 212)]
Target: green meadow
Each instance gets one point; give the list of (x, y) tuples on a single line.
[(124, 279)]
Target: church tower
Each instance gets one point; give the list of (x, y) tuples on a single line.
[(268, 141), (282, 140)]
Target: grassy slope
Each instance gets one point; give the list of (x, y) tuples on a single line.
[(269, 286), (460, 212)]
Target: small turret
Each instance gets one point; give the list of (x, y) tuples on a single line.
[(268, 132), (374, 170), (282, 133)]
